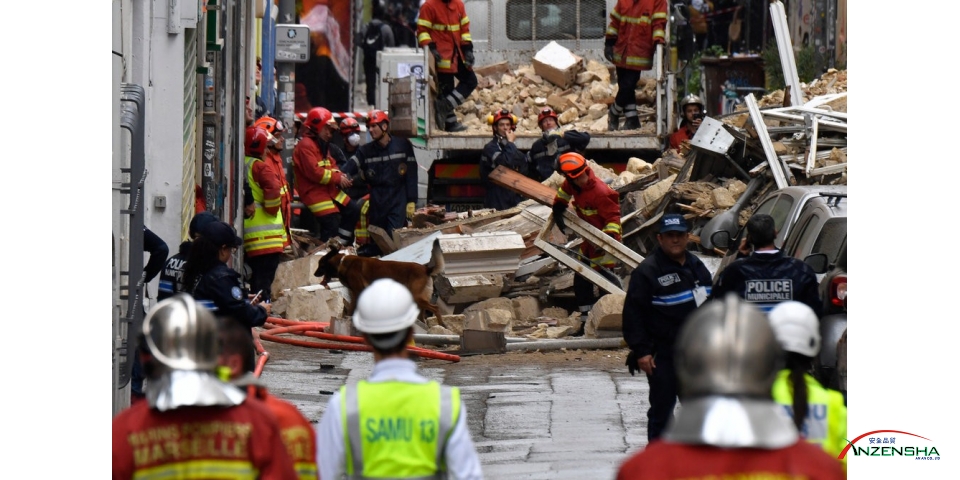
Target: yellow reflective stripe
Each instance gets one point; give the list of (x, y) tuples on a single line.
[(612, 227), (658, 34), (635, 61), (440, 27), (466, 37), (424, 37), (465, 20), (273, 202), (200, 469), (306, 471), (662, 15), (615, 15), (612, 31), (327, 175), (636, 20), (588, 211), (341, 196), (444, 63), (321, 206), (564, 195), (424, 22)]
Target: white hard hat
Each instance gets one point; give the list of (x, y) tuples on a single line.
[(796, 327), (385, 306)]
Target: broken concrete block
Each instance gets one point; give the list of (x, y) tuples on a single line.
[(498, 303), (526, 309), (315, 306), (653, 193), (555, 313), (454, 323), (438, 330), (606, 314), (722, 198), (469, 288), (638, 166), (559, 332), (294, 274), (596, 111), (562, 282), (494, 320), (486, 252)]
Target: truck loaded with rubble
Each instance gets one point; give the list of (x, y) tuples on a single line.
[(526, 59)]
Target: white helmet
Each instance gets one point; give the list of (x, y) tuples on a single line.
[(385, 306), (182, 335), (796, 327)]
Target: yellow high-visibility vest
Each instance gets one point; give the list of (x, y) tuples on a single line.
[(262, 233), (826, 422)]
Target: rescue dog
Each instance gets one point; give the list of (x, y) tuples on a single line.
[(356, 273)]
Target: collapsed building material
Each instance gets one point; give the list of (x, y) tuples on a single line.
[(481, 253), (471, 288), (606, 314)]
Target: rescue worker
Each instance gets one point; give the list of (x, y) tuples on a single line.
[(264, 234), (437, 442), (272, 157), (501, 151), (692, 111), (636, 28), (237, 364), (729, 427), (360, 190), (664, 289), (215, 285), (444, 28), (597, 204), (171, 277), (577, 140), (216, 430), (389, 166), (546, 150), (767, 276), (819, 413), (320, 182)]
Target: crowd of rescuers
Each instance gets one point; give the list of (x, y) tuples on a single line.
[(202, 394)]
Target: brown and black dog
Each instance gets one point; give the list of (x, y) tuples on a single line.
[(356, 273)]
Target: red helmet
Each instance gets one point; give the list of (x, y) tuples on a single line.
[(500, 115), (300, 116), (256, 141), (572, 164), (271, 125), (377, 116), (349, 125), (317, 117), (546, 113)]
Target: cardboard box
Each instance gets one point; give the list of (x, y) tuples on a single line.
[(561, 78)]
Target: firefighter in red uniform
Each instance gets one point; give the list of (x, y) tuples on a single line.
[(729, 426), (192, 424), (272, 156), (599, 205), (238, 362), (691, 109), (360, 190), (444, 28), (636, 27), (319, 181)]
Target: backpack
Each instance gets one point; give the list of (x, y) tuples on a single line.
[(373, 39)]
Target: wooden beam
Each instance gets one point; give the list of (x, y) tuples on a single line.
[(523, 185)]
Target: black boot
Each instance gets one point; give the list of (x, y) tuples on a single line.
[(613, 118), (455, 126), (442, 109), (631, 123), (583, 325)]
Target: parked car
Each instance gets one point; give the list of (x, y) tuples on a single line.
[(784, 205), (833, 325)]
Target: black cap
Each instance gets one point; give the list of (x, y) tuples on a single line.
[(199, 221), (673, 222), (221, 233)]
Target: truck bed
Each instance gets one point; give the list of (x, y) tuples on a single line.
[(598, 141)]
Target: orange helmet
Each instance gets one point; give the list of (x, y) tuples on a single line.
[(377, 116), (495, 117), (572, 164), (349, 125), (318, 117), (547, 112), (256, 141), (299, 117), (271, 125)]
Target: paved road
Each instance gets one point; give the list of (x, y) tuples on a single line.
[(553, 415)]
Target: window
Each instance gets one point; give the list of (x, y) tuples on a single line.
[(556, 19), (795, 248), (831, 239)]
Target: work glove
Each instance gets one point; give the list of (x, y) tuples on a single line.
[(468, 57), (411, 207), (633, 363), (608, 53), (435, 52), (558, 209)]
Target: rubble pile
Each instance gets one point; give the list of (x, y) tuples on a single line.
[(583, 106)]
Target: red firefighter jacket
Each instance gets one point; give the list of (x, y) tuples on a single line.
[(199, 442), (272, 157), (316, 177), (596, 203), (635, 27), (446, 25), (296, 432), (680, 136)]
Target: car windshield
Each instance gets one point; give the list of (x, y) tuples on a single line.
[(832, 238)]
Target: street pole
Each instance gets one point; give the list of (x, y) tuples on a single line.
[(286, 78)]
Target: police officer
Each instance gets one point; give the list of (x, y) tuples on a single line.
[(389, 166), (171, 277), (501, 151), (666, 286), (432, 415), (767, 276), (729, 427), (217, 431), (214, 284), (818, 413)]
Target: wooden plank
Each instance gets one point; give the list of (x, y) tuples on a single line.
[(523, 185)]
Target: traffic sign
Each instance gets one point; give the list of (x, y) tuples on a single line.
[(292, 43)]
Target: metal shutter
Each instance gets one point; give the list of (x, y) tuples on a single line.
[(189, 179)]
